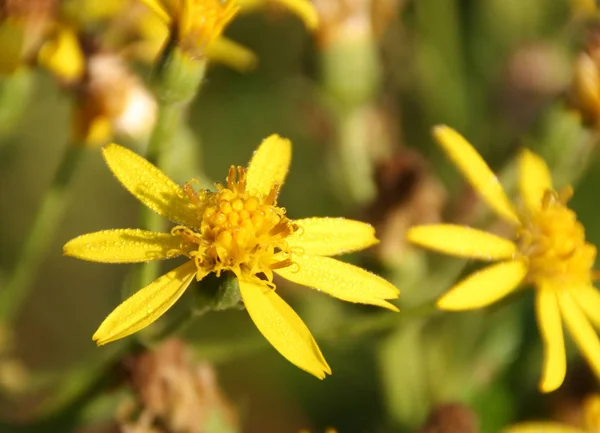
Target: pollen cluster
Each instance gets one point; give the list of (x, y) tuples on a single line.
[(554, 243), (237, 230)]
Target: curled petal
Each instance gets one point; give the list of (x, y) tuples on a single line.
[(304, 9), (146, 305), (341, 280), (484, 287), (534, 179), (283, 328), (550, 325), (476, 170), (462, 241), (586, 81), (123, 246), (232, 54), (269, 165), (541, 427), (331, 236), (580, 329), (150, 185)]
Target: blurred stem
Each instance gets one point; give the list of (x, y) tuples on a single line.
[(46, 220), (176, 81), (350, 75), (168, 123), (15, 92)]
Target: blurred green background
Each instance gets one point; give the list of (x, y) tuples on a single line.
[(498, 71)]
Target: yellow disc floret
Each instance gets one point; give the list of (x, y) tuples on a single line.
[(237, 230), (553, 241)]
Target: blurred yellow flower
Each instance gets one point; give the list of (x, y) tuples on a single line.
[(62, 54), (591, 421), (201, 24), (238, 228), (196, 23), (549, 252)]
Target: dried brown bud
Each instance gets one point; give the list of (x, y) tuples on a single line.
[(111, 100), (174, 393), (451, 418), (408, 194)]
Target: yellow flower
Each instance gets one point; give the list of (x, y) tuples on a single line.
[(196, 23), (62, 54), (591, 421), (238, 228), (549, 251), (199, 25)]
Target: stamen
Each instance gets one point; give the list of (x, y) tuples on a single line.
[(553, 242)]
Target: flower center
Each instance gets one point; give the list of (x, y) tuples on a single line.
[(554, 242), (238, 231)]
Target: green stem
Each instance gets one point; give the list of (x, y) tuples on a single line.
[(169, 120), (40, 234), (177, 78)]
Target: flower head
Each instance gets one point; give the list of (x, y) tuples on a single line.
[(195, 23), (240, 229), (199, 24), (548, 250)]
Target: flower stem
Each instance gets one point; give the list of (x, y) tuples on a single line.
[(167, 125), (176, 81), (39, 237)]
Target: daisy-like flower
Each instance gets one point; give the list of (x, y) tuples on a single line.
[(240, 229), (590, 421), (548, 251), (195, 23), (198, 25)]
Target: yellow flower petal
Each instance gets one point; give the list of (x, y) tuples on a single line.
[(462, 241), (484, 287), (341, 280), (588, 299), (232, 54), (331, 236), (585, 83), (550, 325), (534, 179), (580, 329), (269, 165), (150, 185), (304, 9), (282, 327), (542, 427), (159, 9), (123, 246), (63, 55), (146, 305), (476, 170)]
